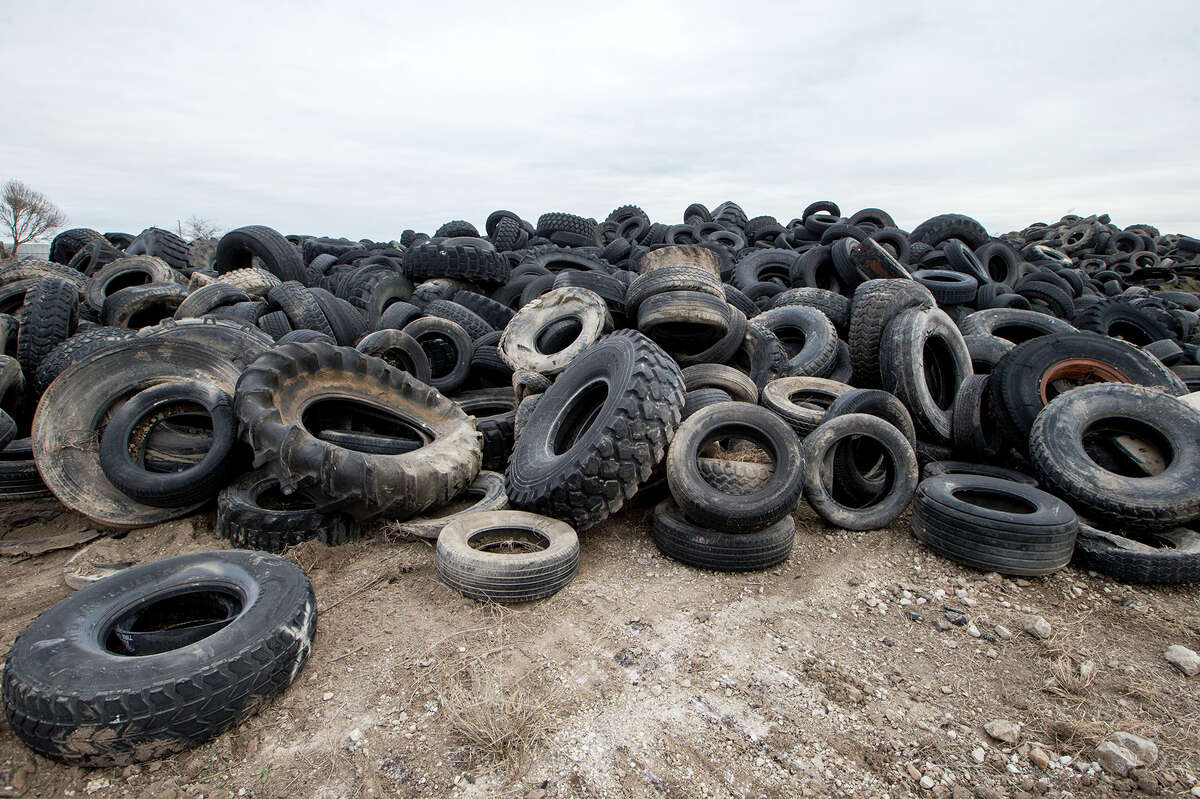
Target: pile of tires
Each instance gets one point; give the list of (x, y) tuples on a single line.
[(549, 371)]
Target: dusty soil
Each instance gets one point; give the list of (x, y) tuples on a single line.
[(646, 678)]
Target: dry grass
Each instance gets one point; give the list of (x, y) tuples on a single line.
[(498, 726), (1071, 680)]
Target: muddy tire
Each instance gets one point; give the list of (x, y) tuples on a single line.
[(994, 525), (76, 348), (923, 361), (703, 502), (19, 477), (507, 556), (819, 449), (1170, 557), (802, 402), (448, 349), (598, 431), (1088, 417), (522, 345), (400, 351), (73, 694), (253, 513), (681, 539), (238, 343), (47, 319), (124, 273), (487, 489), (142, 306)]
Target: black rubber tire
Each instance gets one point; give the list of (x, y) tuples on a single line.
[(253, 281), (514, 571), (399, 349), (123, 445), (487, 489), (567, 230), (808, 337), (702, 502), (206, 298), (975, 432), (239, 344), (1013, 324), (950, 226), (1000, 261), (833, 305), (684, 323), (671, 277), (701, 398), (1042, 294), (32, 269), (938, 467), (247, 522), (448, 349), (1170, 557), (397, 315), (239, 248), (275, 399), (864, 485), (519, 343), (765, 266), (734, 477), (64, 246), (477, 264), (19, 477), (925, 377), (124, 273), (801, 401), (76, 348), (8, 429), (373, 292), (142, 306), (47, 319), (947, 287), (714, 375), (819, 450), (1118, 318), (737, 299), (456, 228), (467, 319), (275, 324), (301, 307), (1026, 378), (986, 351), (495, 314), (162, 244), (689, 543), (495, 411), (618, 439), (761, 355), (80, 703), (1057, 450), (994, 525), (874, 305), (93, 256)]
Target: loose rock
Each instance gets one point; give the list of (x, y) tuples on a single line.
[(1183, 659), (1008, 732), (1036, 626)]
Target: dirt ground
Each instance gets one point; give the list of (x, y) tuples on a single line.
[(825, 676)]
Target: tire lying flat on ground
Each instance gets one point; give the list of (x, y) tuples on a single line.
[(506, 555), (687, 542), (110, 676)]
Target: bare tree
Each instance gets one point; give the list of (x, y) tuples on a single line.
[(199, 227), (26, 214)]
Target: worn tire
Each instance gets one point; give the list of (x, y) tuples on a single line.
[(505, 575), (923, 361), (247, 522), (487, 489), (1170, 557), (802, 402), (238, 248), (519, 343), (678, 537), (875, 304)]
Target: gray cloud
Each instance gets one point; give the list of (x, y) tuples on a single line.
[(363, 121)]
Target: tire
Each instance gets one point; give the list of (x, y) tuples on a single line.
[(765, 266), (203, 300), (124, 273), (1057, 450), (346, 320), (465, 318), (487, 489), (808, 336), (519, 343), (689, 543), (495, 314), (671, 277), (874, 402), (30, 269), (505, 567), (974, 431), (162, 244), (734, 477), (448, 349), (525, 383), (301, 307), (238, 248), (477, 264), (1000, 261), (19, 477), (275, 402), (399, 349), (950, 226), (142, 306), (986, 352), (1054, 299), (802, 401), (1171, 557), (8, 429), (1118, 318), (702, 502), (761, 355), (994, 525), (239, 344), (123, 445), (947, 287), (939, 467), (47, 319), (84, 702), (495, 412), (736, 384), (1012, 324), (1034, 373), (456, 228), (684, 323), (275, 324), (867, 484), (64, 246), (248, 521), (75, 404), (833, 305), (875, 303), (397, 316), (701, 398), (76, 348), (580, 456), (924, 362), (257, 282), (374, 292), (93, 256)]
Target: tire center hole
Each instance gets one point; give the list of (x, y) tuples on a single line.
[(577, 416), (348, 415), (994, 500), (940, 372), (1128, 447), (508, 540), (173, 620), (557, 335)]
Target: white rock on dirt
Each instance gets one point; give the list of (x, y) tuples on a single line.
[(1036, 626), (1003, 730), (1146, 751), (978, 755), (1183, 659)]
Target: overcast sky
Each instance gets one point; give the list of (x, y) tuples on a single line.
[(365, 119)]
